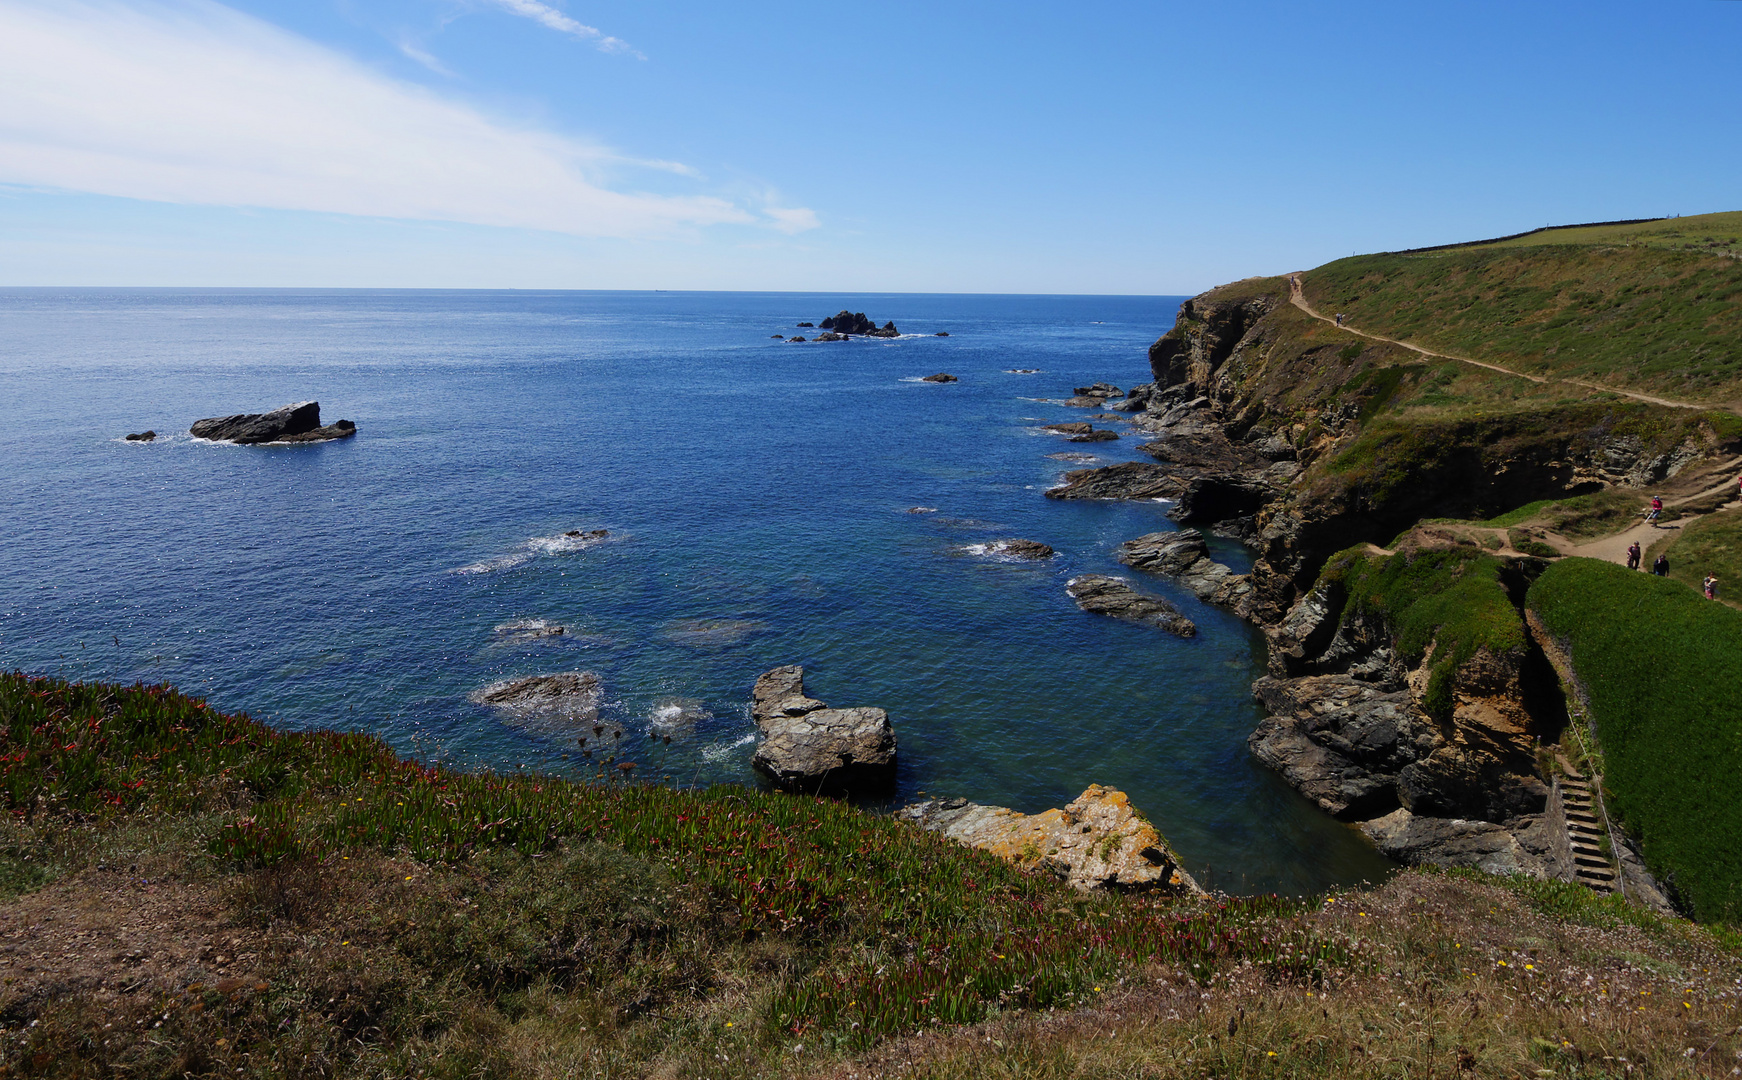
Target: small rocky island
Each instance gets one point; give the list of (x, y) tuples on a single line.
[(299, 422), (1103, 594), (808, 747), (849, 322)]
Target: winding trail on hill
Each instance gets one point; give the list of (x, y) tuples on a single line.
[(1298, 299)]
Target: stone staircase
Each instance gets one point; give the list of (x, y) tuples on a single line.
[(1585, 835)]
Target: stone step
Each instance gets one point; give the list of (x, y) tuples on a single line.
[(1589, 863), (1574, 815)]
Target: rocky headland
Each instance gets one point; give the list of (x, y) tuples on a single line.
[(299, 422), (1406, 693)]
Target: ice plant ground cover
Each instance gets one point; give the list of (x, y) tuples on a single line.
[(190, 892)]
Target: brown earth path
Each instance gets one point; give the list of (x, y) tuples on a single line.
[(1298, 299)]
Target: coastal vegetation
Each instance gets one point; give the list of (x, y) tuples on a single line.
[(1658, 665), (192, 893), (1649, 306), (1706, 545)]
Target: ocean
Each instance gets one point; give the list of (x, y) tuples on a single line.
[(758, 499)]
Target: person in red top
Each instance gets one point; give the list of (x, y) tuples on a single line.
[(1656, 508)]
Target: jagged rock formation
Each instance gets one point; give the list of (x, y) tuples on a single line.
[(142, 436), (1032, 550), (808, 747), (849, 322), (565, 703), (1097, 841), (298, 422), (1183, 555), (1130, 480), (1112, 596)]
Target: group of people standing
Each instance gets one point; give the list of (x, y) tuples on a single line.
[(1660, 567)]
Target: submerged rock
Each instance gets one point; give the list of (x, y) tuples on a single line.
[(1092, 435), (298, 422), (1014, 549), (1112, 596), (549, 703), (1098, 841), (528, 630), (808, 747), (940, 377)]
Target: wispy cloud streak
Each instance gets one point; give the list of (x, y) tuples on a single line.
[(192, 102), (556, 20)]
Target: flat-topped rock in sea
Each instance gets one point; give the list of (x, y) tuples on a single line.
[(1127, 480), (1098, 841), (808, 747), (1103, 594), (1183, 555), (851, 322), (1094, 435), (297, 422), (940, 377)]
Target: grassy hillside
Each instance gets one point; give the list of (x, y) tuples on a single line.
[(1708, 545), (187, 893), (1660, 665), (1651, 308)]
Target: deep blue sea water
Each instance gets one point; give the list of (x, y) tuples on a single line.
[(757, 497)]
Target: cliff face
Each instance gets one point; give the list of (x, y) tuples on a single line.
[(1306, 441)]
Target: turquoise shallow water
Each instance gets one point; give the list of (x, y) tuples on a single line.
[(756, 493)]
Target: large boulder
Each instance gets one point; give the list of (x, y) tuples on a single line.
[(1340, 741), (298, 422), (808, 747), (1106, 595), (1448, 842), (1098, 841)]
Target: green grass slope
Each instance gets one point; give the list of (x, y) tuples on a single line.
[(1661, 667), (1651, 308)]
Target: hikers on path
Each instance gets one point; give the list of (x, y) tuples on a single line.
[(1656, 508), (1633, 555), (1340, 322), (1711, 584), (1661, 566)]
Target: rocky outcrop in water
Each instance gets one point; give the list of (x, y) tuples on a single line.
[(808, 747), (1130, 480), (298, 422), (1114, 597), (940, 377), (1184, 556), (142, 436), (850, 322), (1098, 841)]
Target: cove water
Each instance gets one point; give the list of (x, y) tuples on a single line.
[(757, 495)]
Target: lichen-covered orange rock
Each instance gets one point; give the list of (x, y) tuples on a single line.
[(1097, 841)]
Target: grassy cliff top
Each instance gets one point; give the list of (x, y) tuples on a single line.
[(189, 893), (1650, 307)]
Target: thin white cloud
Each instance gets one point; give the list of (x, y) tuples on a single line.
[(412, 50), (188, 101), (793, 220), (556, 20)]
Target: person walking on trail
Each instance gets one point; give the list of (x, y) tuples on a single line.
[(1661, 566), (1711, 584), (1656, 508), (1633, 555), (1340, 322)]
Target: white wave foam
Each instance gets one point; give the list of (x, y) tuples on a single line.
[(721, 750), (560, 544)]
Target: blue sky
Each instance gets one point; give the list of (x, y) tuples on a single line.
[(1015, 147)]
